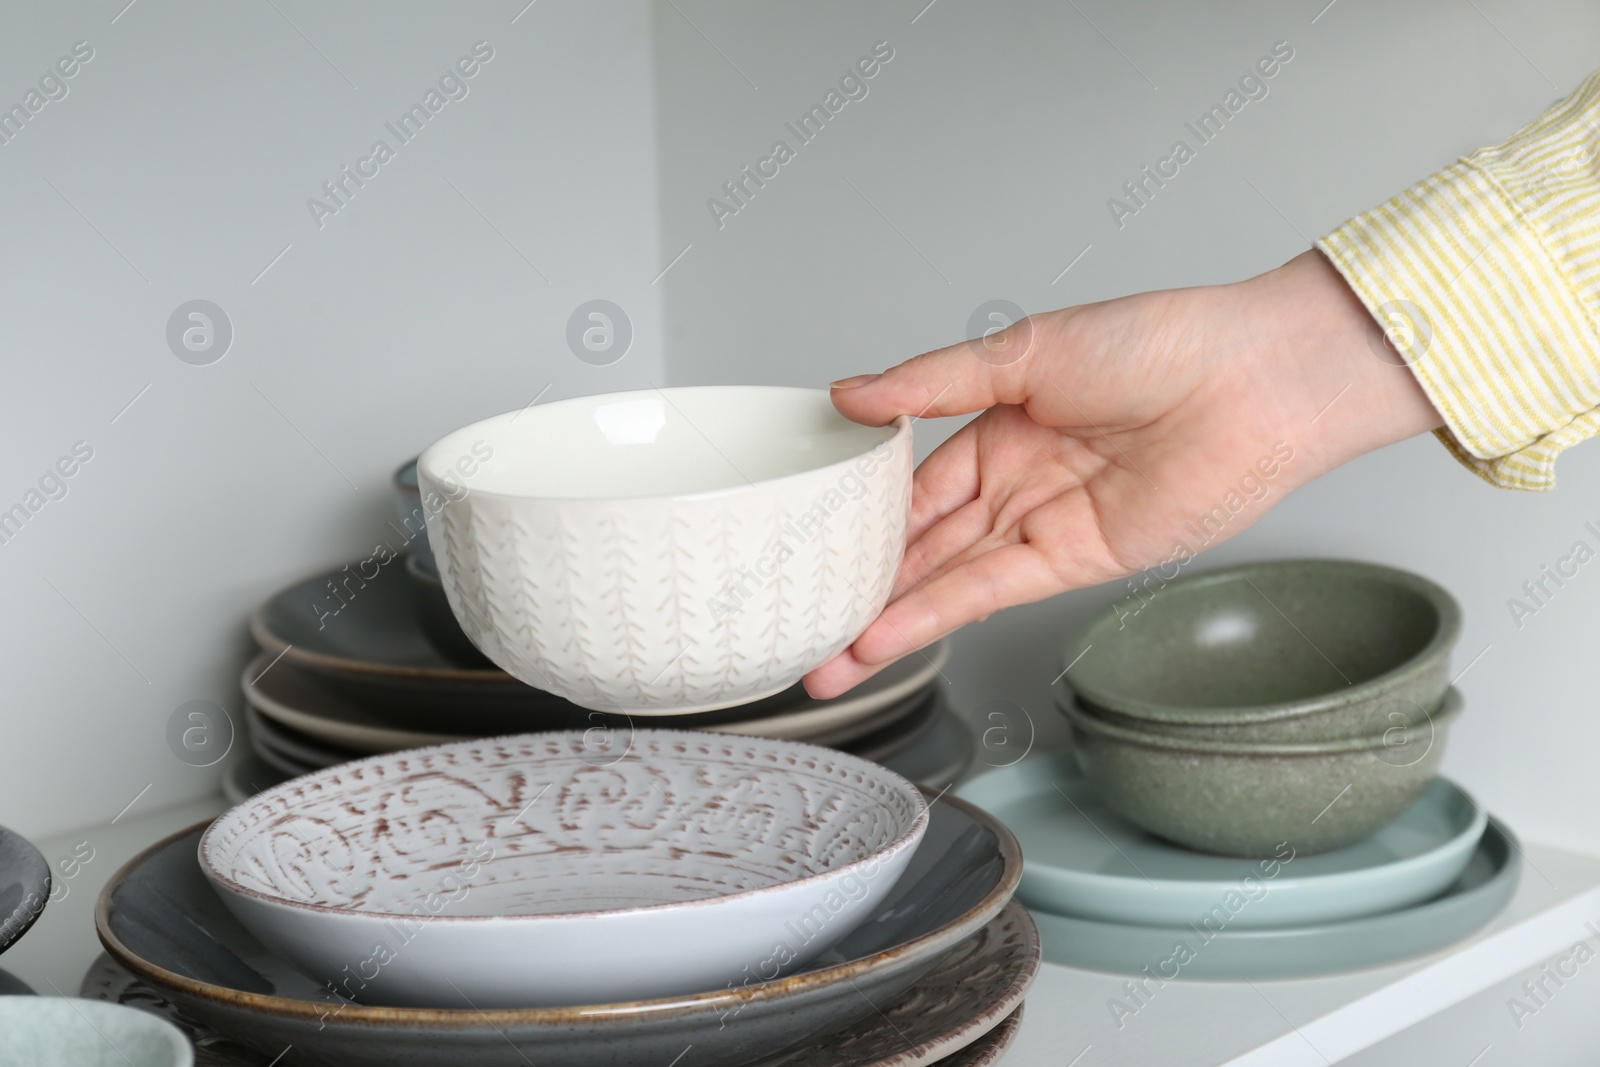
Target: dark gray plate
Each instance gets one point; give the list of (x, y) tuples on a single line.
[(109, 980), (160, 918), (931, 747), (361, 638), (269, 739), (937, 758), (24, 886), (1297, 951), (901, 725), (12, 986)]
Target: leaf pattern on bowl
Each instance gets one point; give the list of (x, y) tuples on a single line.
[(625, 605)]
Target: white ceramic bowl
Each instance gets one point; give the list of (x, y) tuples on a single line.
[(565, 868), (72, 1032), (668, 550)]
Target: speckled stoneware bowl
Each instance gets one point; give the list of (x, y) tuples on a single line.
[(1285, 651), (668, 550), (566, 868), (71, 1032), (1241, 799)]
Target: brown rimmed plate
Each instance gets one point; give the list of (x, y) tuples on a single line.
[(160, 918)]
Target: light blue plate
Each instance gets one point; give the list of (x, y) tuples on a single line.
[(1080, 859), (1228, 955), (71, 1032)]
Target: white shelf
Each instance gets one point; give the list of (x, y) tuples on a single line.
[(1310, 1022)]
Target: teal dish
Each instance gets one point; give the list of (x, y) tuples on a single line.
[(1236, 955), (1081, 859), (1253, 800), (1291, 651), (70, 1032)]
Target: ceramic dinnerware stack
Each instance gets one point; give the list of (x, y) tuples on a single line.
[(1107, 895), (692, 554), (1251, 791), (24, 892), (538, 899), (1299, 701), (368, 680), (370, 656)]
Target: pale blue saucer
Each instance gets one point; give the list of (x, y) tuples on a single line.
[(1080, 859)]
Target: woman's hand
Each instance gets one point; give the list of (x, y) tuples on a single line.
[(1118, 436)]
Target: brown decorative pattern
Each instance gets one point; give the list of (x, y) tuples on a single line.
[(681, 816), (988, 1049), (972, 992)]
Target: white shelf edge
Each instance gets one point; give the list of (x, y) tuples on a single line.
[(1384, 1012)]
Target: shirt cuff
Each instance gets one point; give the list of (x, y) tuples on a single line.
[(1479, 276)]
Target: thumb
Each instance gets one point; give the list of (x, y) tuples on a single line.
[(958, 380)]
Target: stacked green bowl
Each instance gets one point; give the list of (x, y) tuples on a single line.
[(1300, 701)]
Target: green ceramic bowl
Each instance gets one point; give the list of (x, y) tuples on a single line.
[(1344, 723), (1241, 799), (1286, 651)]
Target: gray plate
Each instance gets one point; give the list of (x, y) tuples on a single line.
[(361, 637), (24, 886), (936, 758), (1299, 951), (983, 1052), (248, 776), (898, 726), (12, 986), (911, 1034), (269, 739), (932, 748), (161, 919), (373, 652)]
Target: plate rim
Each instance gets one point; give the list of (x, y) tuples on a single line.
[(990, 905), (36, 878), (831, 712), (1501, 885), (1061, 879)]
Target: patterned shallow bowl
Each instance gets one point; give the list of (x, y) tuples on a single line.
[(668, 550), (565, 868)]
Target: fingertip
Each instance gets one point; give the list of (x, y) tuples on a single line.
[(860, 403), (838, 676)]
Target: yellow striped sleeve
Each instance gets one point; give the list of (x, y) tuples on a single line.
[(1486, 278)]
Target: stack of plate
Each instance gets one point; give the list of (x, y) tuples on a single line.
[(24, 892), (936, 973), (1109, 896), (348, 669)]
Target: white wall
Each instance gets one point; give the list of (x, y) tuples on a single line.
[(990, 144), (192, 139), (190, 144)]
